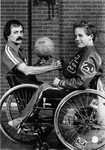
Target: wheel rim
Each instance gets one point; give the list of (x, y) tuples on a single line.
[(9, 110), (76, 121)]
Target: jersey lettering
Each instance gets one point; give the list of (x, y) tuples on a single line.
[(88, 67), (72, 67)]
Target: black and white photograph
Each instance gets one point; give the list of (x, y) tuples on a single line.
[(52, 75)]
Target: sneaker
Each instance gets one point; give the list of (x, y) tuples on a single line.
[(15, 122)]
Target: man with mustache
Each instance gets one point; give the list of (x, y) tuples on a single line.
[(14, 56), (19, 38)]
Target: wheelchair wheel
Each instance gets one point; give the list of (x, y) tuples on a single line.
[(79, 120), (12, 104)]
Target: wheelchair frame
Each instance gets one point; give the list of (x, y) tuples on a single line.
[(76, 112)]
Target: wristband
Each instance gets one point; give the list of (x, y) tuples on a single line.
[(60, 82)]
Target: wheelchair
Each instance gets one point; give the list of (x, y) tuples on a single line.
[(76, 118)]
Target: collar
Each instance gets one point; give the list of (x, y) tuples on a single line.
[(12, 45), (88, 46)]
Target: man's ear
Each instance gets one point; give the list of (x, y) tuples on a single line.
[(91, 37)]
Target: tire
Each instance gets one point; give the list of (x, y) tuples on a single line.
[(12, 104), (79, 120)]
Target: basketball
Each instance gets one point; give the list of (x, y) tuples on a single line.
[(44, 47)]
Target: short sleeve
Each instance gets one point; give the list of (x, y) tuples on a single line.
[(11, 58)]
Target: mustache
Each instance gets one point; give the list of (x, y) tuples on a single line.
[(19, 38)]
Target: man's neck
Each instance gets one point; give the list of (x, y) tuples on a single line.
[(16, 44)]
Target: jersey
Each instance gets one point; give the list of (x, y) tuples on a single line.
[(12, 57), (81, 69)]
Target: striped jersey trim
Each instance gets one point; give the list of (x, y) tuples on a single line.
[(10, 55)]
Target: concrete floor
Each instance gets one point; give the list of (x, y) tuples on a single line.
[(52, 141)]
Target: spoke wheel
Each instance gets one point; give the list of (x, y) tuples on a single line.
[(12, 104), (80, 120)]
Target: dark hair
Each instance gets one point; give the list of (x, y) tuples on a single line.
[(7, 28), (89, 28)]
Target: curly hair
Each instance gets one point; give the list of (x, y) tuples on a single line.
[(7, 28), (90, 29)]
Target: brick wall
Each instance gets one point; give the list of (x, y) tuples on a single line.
[(59, 28)]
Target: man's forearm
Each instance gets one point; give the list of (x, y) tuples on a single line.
[(40, 69), (35, 70)]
